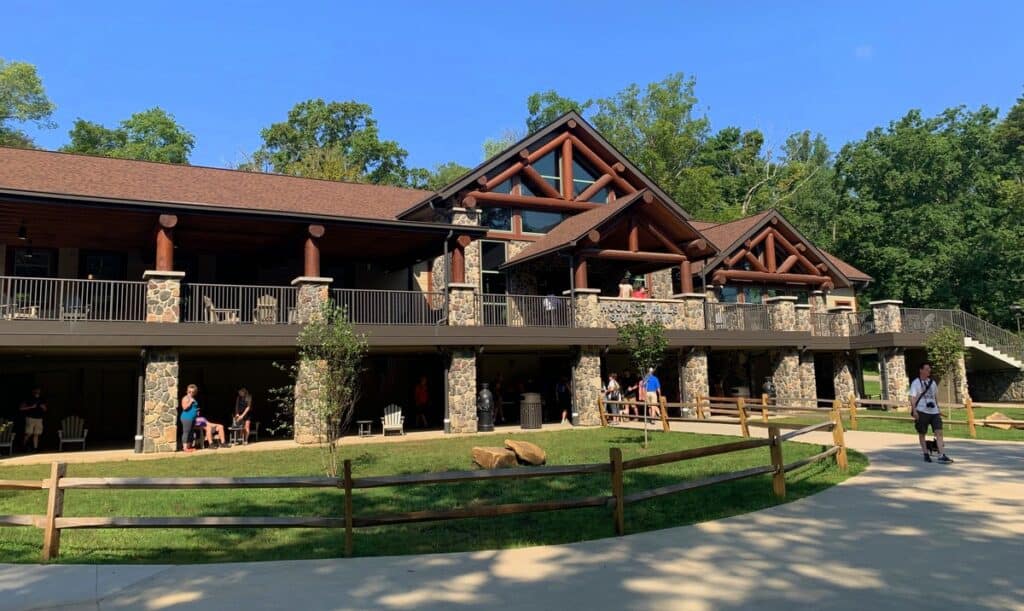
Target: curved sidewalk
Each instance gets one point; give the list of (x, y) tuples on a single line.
[(902, 535)]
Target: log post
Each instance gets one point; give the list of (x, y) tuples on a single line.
[(311, 255), (742, 409), (458, 264), (853, 412), (769, 251), (600, 410), (700, 407), (618, 513), (348, 508), (764, 407), (686, 276), (568, 187), (54, 510), (839, 439), (664, 414), (969, 406), (580, 273), (165, 242), (779, 478), (634, 235)]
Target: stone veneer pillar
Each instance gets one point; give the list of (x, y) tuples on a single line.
[(786, 360), (960, 380), (842, 376), (160, 391), (817, 301), (470, 217), (461, 415), (841, 321), (892, 364), (693, 361), (803, 317), (587, 309), (808, 376), (313, 292), (463, 310), (586, 386)]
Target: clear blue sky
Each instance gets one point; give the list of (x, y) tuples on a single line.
[(442, 75)]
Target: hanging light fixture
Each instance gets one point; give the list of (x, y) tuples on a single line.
[(22, 231)]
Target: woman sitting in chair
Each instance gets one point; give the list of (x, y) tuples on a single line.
[(212, 429)]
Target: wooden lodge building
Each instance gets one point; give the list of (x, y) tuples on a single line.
[(123, 281)]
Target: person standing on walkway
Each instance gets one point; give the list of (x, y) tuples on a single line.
[(924, 409), (34, 409), (189, 411), (652, 388)]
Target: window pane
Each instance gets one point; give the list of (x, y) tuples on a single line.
[(505, 187), (729, 294), (548, 165), (29, 263), (492, 255), (580, 172), (495, 284), (540, 222), (752, 294), (497, 218)]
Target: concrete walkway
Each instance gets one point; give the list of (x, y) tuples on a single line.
[(903, 535)]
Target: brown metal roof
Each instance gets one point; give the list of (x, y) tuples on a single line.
[(45, 172)]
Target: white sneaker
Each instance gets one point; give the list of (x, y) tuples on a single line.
[(564, 421)]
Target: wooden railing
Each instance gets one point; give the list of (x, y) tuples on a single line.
[(53, 521)]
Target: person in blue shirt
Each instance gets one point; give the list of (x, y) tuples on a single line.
[(652, 389), (189, 411)]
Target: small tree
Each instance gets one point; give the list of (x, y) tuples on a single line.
[(325, 379), (945, 350), (646, 343)]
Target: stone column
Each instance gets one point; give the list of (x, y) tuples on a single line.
[(962, 393), (586, 386), (462, 391), (887, 317), (160, 425), (842, 376), (786, 360), (587, 309), (463, 309), (803, 317), (163, 295), (893, 366), (808, 378), (693, 373), (817, 301), (661, 284), (470, 217), (693, 311), (841, 321), (313, 292)]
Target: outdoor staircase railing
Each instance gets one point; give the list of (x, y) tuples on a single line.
[(925, 320)]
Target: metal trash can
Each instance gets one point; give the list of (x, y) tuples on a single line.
[(529, 411)]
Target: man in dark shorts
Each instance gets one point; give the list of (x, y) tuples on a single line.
[(924, 409), (34, 410)]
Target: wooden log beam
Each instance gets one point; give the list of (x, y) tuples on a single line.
[(736, 258), (626, 255), (754, 262), (751, 243), (544, 150), (769, 252), (661, 237), (311, 252), (538, 183), (528, 202), (792, 250), (568, 188), (509, 172), (165, 242), (593, 236), (739, 274), (787, 264), (634, 235), (696, 248), (601, 165), (580, 273), (592, 190), (686, 276), (458, 264)]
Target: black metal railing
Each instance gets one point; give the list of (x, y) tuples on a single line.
[(72, 300)]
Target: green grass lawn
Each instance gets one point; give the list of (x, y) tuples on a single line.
[(873, 388), (903, 424), (564, 447)]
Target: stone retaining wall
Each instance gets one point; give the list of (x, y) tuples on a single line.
[(997, 385)]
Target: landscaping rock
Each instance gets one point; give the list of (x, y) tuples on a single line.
[(527, 452), (494, 458), (993, 419)]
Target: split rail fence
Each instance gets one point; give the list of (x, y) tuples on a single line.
[(53, 522)]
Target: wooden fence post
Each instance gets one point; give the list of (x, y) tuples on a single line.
[(700, 407), (969, 406), (618, 513), (664, 414), (779, 478), (741, 408), (348, 508), (54, 510), (853, 412), (600, 410), (764, 407), (839, 439)]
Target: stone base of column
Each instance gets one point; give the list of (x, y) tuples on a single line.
[(462, 306), (314, 291), (586, 387), (163, 295), (786, 377), (160, 416), (842, 376), (307, 429), (808, 379), (693, 375), (462, 391), (893, 365)]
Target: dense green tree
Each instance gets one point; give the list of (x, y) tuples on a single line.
[(443, 175), (150, 135), (334, 141), (543, 107), (22, 99)]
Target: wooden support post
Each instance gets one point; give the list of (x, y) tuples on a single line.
[(686, 276), (600, 408), (165, 242), (311, 259), (54, 510), (837, 409), (764, 407), (664, 414), (458, 264), (839, 440), (779, 478), (568, 187), (969, 406), (769, 251), (618, 513), (853, 412), (581, 272), (348, 508), (634, 236), (700, 407), (742, 409)]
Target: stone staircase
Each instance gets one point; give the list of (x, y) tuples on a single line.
[(979, 334)]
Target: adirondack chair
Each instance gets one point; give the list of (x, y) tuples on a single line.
[(74, 309), (265, 312), (7, 436), (393, 419), (72, 430), (223, 316)]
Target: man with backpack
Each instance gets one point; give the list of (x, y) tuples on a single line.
[(924, 409)]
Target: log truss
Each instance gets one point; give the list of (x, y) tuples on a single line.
[(758, 260)]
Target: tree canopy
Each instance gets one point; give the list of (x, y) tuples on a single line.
[(150, 135), (22, 100)]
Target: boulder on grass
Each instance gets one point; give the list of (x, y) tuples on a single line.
[(526, 452), (494, 458), (993, 419)]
